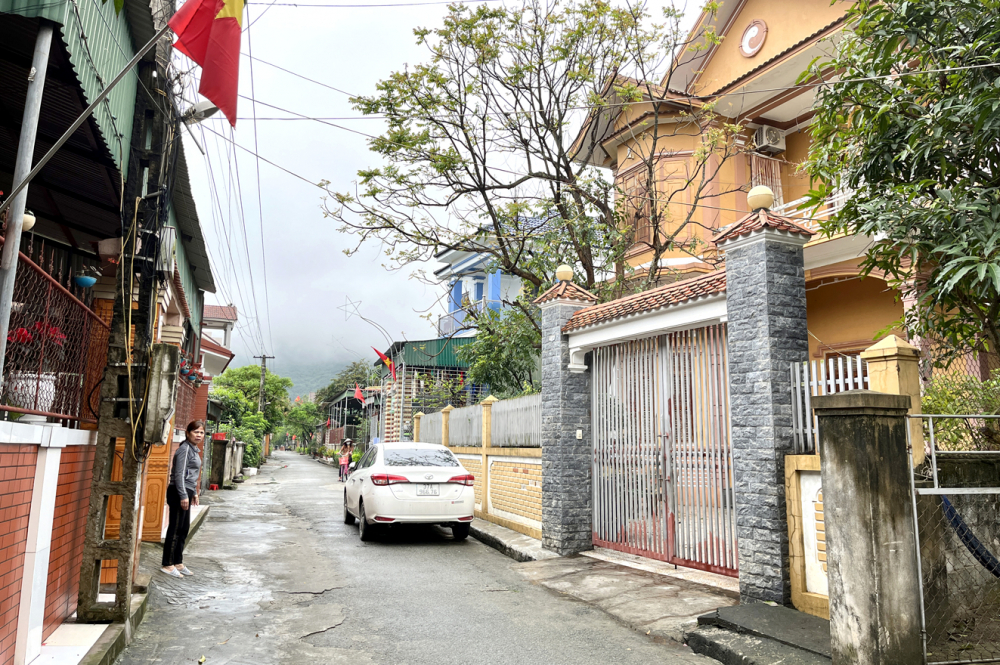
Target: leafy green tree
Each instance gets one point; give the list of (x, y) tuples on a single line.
[(912, 127), (359, 372), (302, 420), (246, 381), (489, 147), (505, 353)]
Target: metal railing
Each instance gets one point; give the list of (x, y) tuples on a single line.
[(813, 378), (810, 218), (462, 319), (465, 426), (56, 350), (517, 423), (956, 500)]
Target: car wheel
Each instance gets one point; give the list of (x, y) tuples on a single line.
[(348, 517), (460, 531), (365, 530)]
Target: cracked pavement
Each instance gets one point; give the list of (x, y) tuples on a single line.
[(279, 578)]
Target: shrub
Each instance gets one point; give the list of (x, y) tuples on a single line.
[(960, 394)]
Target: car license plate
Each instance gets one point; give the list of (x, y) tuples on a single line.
[(427, 490)]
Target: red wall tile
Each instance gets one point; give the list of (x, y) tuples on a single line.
[(18, 476)]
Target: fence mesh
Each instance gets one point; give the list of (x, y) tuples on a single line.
[(959, 544), (56, 347)]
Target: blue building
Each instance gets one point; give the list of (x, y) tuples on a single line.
[(471, 287)]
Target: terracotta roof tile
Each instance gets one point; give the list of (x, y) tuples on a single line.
[(757, 220), (648, 301), (220, 312), (566, 291)]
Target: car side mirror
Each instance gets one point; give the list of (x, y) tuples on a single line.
[(350, 467)]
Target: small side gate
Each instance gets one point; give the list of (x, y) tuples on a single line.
[(663, 483)]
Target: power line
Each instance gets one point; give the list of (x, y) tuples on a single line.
[(262, 158), (296, 74), (260, 204)]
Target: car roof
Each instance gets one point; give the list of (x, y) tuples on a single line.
[(396, 445)]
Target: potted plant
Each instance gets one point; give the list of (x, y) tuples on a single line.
[(38, 341)]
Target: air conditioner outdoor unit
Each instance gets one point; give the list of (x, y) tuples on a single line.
[(769, 140), (165, 257)]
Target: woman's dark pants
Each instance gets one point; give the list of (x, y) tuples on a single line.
[(177, 529)]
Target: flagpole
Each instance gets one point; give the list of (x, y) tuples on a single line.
[(83, 117)]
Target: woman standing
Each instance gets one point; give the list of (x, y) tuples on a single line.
[(345, 461), (182, 493)]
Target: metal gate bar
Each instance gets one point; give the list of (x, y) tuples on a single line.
[(662, 457)]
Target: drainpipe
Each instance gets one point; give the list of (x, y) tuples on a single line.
[(22, 165)]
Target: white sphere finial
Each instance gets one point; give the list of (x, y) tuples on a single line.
[(564, 273), (27, 221), (759, 197)]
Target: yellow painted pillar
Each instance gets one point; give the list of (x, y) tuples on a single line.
[(487, 406), (416, 425), (894, 368), (445, 414)]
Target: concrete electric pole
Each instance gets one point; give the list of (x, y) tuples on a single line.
[(263, 376)]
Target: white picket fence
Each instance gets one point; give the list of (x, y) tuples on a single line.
[(814, 378), (465, 426), (517, 423), (430, 428)]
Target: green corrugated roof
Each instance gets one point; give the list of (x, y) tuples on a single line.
[(100, 44), (428, 353)]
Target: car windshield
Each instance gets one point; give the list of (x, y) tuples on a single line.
[(419, 457)]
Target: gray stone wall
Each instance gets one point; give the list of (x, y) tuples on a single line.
[(766, 305), (567, 498)]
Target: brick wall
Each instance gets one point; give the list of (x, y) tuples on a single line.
[(17, 475), (474, 465), (68, 526), (199, 411), (516, 488)]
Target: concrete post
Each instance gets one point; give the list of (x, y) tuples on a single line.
[(445, 416), (22, 166), (487, 406), (567, 450), (767, 331), (416, 425), (868, 505), (894, 368)]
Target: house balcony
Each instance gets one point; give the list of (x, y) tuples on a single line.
[(810, 218), (461, 320), (56, 351)]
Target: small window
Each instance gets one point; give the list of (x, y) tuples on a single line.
[(420, 457)]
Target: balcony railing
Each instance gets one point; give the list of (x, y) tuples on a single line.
[(809, 217), (56, 351), (457, 321)]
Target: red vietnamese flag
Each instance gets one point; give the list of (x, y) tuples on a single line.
[(388, 363), (358, 394), (208, 32)]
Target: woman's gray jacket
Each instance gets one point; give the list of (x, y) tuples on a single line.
[(186, 470)]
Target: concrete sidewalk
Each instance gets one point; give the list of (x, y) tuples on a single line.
[(657, 599)]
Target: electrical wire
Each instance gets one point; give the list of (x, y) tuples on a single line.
[(297, 75), (260, 203)]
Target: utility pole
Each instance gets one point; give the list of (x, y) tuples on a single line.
[(263, 376)]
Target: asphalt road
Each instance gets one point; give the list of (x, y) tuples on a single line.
[(281, 579)]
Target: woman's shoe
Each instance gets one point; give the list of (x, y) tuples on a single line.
[(185, 571), (173, 572)]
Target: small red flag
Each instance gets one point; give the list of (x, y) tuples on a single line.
[(388, 363), (358, 394), (327, 422), (208, 32)]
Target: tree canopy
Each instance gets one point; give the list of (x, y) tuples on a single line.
[(359, 372), (239, 390), (911, 128)]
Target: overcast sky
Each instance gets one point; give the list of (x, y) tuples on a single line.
[(308, 275)]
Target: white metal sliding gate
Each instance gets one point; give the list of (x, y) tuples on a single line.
[(662, 461)]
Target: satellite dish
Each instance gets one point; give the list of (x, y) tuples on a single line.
[(200, 111)]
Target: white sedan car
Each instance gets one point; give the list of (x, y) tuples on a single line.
[(412, 483)]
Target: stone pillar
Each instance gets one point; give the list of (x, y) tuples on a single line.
[(894, 368), (445, 417), (487, 406), (868, 505), (567, 450), (416, 425), (767, 332)]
